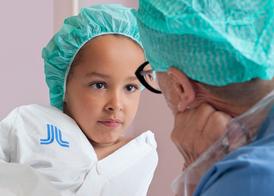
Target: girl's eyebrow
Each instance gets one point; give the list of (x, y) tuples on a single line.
[(132, 78), (90, 74)]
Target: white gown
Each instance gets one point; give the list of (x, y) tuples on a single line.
[(49, 141)]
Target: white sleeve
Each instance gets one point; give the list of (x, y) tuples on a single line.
[(6, 127), (19, 179)]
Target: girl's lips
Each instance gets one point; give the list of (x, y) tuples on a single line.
[(111, 123)]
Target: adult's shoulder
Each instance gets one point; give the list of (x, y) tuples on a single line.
[(247, 171)]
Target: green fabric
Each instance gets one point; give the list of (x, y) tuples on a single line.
[(75, 32), (216, 42)]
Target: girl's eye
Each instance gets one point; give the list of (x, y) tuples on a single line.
[(98, 85), (132, 88)]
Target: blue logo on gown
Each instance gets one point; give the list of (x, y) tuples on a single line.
[(54, 133)]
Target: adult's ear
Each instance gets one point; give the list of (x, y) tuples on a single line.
[(183, 87)]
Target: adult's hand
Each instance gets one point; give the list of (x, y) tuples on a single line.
[(197, 129)]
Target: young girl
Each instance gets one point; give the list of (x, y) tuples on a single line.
[(78, 143)]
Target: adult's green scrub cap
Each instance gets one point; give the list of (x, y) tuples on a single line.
[(76, 31), (216, 42)]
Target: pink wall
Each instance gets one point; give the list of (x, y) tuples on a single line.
[(153, 114), (26, 27), (129, 3)]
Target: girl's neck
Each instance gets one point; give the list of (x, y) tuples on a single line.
[(104, 150)]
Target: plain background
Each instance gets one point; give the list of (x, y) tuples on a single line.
[(26, 27)]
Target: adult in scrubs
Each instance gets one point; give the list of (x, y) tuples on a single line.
[(214, 62)]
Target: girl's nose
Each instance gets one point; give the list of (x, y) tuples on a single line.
[(114, 104)]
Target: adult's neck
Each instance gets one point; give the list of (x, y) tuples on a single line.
[(234, 99)]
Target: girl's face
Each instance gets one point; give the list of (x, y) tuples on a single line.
[(102, 93)]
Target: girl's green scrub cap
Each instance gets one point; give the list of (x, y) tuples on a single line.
[(75, 32), (216, 42)]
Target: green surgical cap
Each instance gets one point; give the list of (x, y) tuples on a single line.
[(77, 30), (216, 42)]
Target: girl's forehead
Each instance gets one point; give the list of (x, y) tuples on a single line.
[(101, 70), (108, 45), (110, 57)]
